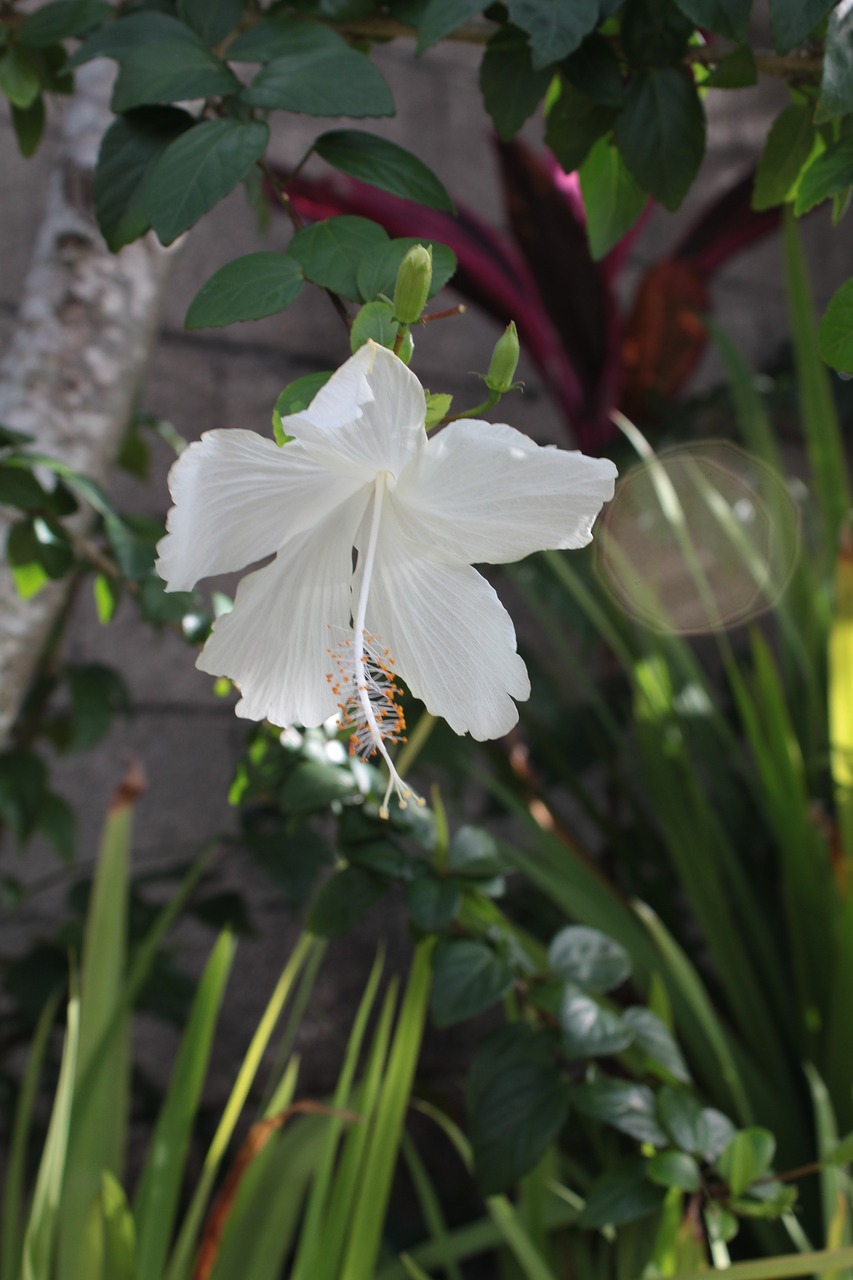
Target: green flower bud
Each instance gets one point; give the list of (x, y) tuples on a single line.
[(407, 347), (504, 361), (413, 281)]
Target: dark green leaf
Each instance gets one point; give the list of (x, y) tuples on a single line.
[(294, 398), (432, 902), (343, 900), (674, 1169), (320, 75), (292, 859), (9, 436), (42, 543), (23, 786), (28, 123), (58, 824), (375, 323), (827, 175), (382, 858), (628, 1107), (257, 285), (836, 330), (382, 164), (594, 69), (19, 76), (129, 149), (314, 786), (843, 1153), (654, 1038), (330, 252), (747, 1157), (575, 122), (213, 20), (836, 87), (590, 1030), (738, 70), (724, 17), (654, 33), (474, 854), (159, 606), (715, 1133), (556, 27), (468, 977), (511, 89), (97, 693), (439, 17), (517, 1100), (612, 199), (20, 488), (623, 1194), (681, 1116), (788, 147), (661, 133), (60, 20), (377, 271), (134, 554), (197, 170), (792, 21), (588, 958)]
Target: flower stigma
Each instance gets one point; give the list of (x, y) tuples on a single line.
[(365, 684)]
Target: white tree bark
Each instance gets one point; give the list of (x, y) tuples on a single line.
[(81, 344)]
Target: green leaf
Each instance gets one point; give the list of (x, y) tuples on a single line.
[(20, 488), (375, 322), (746, 1158), (468, 977), (474, 854), (43, 543), (661, 133), (438, 407), (212, 20), (107, 594), (511, 88), (19, 76), (432, 902), (836, 86), (724, 17), (738, 70), (97, 693), (623, 1194), (594, 69), (314, 785), (129, 149), (630, 1108), (612, 199), (674, 1169), (556, 27), (681, 1116), (828, 174), (588, 958), (28, 123), (61, 19), (58, 823), (9, 436), (654, 1038), (835, 335), (343, 900), (319, 74), (789, 144), (575, 122), (654, 33), (23, 786), (249, 288), (792, 21), (330, 252), (589, 1030), (197, 170), (377, 271), (119, 1234), (439, 17), (294, 398), (384, 165), (517, 1100)]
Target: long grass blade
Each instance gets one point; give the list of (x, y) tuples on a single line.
[(784, 1267), (431, 1209)]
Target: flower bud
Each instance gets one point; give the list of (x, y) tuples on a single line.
[(413, 282), (504, 361)]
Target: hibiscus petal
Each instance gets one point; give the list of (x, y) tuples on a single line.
[(237, 498), (483, 493), (274, 643), (452, 640), (369, 417)]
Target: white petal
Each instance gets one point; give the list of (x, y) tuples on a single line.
[(484, 493), (452, 640), (237, 498), (369, 417), (274, 642)]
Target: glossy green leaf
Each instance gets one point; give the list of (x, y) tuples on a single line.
[(622, 1194), (836, 86), (377, 270), (19, 76), (654, 33), (588, 958), (28, 123), (343, 900), (474, 853), (835, 335), (792, 21), (518, 1100), (654, 1038), (330, 252), (61, 19), (212, 20), (612, 199), (588, 1029), (432, 902), (382, 164), (374, 323), (20, 488), (628, 1107), (249, 288), (674, 1169), (196, 170), (128, 151), (511, 88), (661, 133), (789, 144), (162, 60), (575, 123), (556, 27), (468, 977), (747, 1157), (829, 174), (724, 17), (319, 74), (439, 17)]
